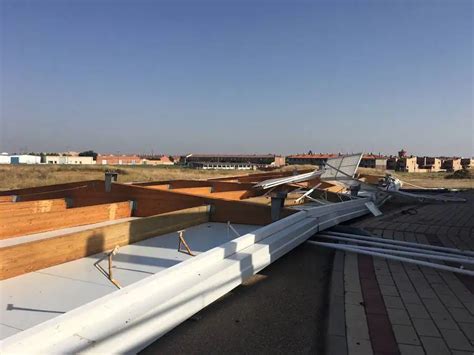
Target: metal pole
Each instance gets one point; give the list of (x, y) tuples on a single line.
[(409, 253), (394, 257), (401, 242), (393, 246)]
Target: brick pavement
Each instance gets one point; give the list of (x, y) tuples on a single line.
[(389, 307)]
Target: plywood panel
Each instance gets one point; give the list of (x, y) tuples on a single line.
[(10, 209), (36, 255), (28, 224)]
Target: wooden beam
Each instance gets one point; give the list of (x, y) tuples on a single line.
[(35, 255), (28, 224), (57, 190), (6, 198), (194, 190), (10, 209), (159, 187)]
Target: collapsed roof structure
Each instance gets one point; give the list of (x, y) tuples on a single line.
[(101, 266)]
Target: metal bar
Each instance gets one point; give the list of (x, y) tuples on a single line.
[(394, 257), (181, 240), (231, 227), (401, 242), (393, 246), (421, 255)]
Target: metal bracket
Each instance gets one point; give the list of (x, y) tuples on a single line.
[(182, 241), (109, 275)]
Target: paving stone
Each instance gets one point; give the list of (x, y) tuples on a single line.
[(388, 290), (468, 329), (425, 327), (354, 298), (393, 302), (404, 285), (426, 292), (461, 315), (385, 280), (410, 349), (450, 300), (405, 334), (356, 323), (410, 297), (362, 347), (435, 346), (456, 340), (417, 311), (398, 316), (433, 278), (434, 305), (444, 321)]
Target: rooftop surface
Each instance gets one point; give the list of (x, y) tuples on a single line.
[(35, 297)]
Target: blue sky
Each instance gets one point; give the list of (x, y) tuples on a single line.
[(237, 76)]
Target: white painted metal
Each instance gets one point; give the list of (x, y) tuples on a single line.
[(393, 257), (267, 184), (420, 254), (374, 209), (401, 242), (391, 246), (341, 168), (425, 197), (131, 318)]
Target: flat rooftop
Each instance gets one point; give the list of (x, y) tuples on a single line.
[(35, 297)]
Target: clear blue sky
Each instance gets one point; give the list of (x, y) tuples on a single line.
[(237, 76)]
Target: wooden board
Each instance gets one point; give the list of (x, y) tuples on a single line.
[(27, 224), (6, 199), (10, 209), (159, 187), (60, 190), (22, 258), (194, 190)]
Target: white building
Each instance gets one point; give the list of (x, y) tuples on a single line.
[(4, 158), (25, 159), (74, 160)]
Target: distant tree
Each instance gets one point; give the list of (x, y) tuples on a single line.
[(89, 153)]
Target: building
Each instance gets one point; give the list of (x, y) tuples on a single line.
[(373, 161), (232, 161), (4, 158), (452, 164), (118, 160), (406, 164), (71, 160), (25, 159), (428, 164), (467, 163), (309, 159), (156, 160), (222, 166)]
